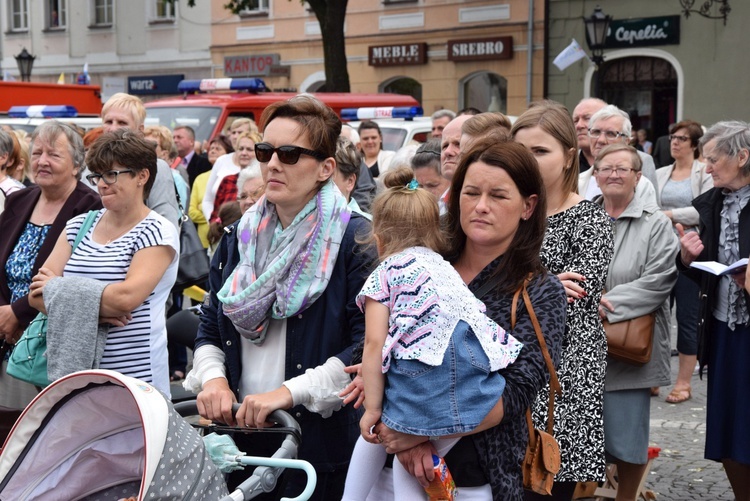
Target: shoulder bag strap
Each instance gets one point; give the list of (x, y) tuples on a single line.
[(554, 382), (90, 217)]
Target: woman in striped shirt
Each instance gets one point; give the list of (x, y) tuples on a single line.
[(130, 247)]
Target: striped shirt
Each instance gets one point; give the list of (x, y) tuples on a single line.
[(139, 349)]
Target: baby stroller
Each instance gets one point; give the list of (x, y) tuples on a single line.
[(98, 435)]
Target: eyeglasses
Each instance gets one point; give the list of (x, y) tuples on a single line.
[(609, 134), (682, 139), (109, 177), (254, 196), (608, 171), (287, 154)]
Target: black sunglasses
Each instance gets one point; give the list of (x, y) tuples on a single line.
[(287, 154)]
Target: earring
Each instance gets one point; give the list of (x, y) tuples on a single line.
[(140, 184)]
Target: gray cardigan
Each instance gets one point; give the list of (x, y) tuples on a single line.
[(641, 276), (700, 182)]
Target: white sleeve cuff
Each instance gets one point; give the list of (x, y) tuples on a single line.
[(208, 363), (318, 389)]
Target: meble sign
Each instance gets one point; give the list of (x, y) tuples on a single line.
[(645, 32)]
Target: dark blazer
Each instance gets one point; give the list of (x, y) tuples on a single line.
[(329, 327), (198, 165), (709, 207), (18, 208)]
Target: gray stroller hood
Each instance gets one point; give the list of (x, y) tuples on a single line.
[(98, 435)]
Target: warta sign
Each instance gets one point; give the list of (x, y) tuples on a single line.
[(480, 49), (397, 55)]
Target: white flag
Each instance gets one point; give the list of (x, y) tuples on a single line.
[(569, 55)]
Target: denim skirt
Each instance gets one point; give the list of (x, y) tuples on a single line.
[(454, 397)]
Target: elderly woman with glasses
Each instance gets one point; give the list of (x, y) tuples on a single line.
[(724, 326), (131, 248), (679, 184), (32, 221), (282, 319), (639, 280)]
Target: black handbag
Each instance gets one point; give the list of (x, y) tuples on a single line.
[(194, 264)]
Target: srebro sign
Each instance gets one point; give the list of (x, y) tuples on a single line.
[(480, 49), (256, 65), (397, 55), (644, 32)]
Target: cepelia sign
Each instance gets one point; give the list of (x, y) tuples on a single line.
[(643, 32)]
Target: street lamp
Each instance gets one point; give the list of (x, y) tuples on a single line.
[(25, 62), (596, 35)]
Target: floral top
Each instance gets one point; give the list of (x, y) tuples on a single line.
[(427, 298), (21, 261)]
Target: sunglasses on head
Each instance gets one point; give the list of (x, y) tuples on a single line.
[(287, 154)]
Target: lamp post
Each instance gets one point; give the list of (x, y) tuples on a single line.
[(596, 35), (25, 62)]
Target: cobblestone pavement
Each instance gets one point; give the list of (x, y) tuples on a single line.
[(680, 472)]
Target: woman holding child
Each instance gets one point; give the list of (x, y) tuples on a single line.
[(495, 228)]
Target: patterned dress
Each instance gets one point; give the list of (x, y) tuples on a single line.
[(580, 240)]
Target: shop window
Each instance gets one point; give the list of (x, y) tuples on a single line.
[(57, 14), (402, 85), (19, 15), (102, 13), (485, 91), (164, 11)]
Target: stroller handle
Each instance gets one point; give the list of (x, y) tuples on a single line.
[(283, 418)]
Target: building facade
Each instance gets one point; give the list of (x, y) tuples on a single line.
[(139, 46), (659, 66), (446, 53)]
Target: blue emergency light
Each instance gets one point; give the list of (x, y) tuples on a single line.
[(43, 111), (406, 112), (208, 84)]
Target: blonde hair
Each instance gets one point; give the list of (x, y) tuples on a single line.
[(404, 216), (129, 104), (253, 136), (162, 135), (239, 122)]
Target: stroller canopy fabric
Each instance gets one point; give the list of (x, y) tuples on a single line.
[(96, 435)]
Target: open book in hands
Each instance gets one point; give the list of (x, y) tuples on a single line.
[(721, 269)]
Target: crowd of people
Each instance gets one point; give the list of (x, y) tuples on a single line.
[(379, 296)]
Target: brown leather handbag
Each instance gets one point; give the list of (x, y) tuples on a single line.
[(631, 341), (542, 460)]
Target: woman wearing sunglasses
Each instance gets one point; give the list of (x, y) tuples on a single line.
[(282, 318), (131, 248)]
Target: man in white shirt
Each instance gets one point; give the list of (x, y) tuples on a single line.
[(607, 126)]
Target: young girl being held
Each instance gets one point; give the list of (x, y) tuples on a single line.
[(431, 355)]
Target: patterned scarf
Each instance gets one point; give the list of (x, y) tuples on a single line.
[(729, 248), (283, 271)]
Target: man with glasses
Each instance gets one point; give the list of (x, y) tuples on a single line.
[(611, 125)]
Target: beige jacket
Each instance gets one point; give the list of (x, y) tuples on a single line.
[(700, 182)]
